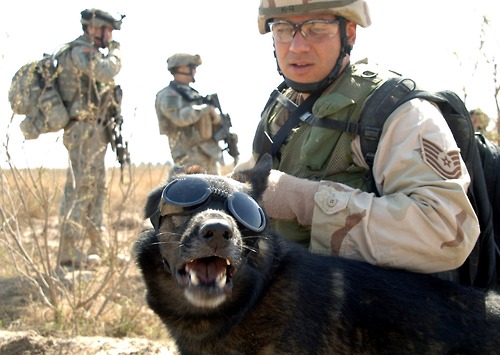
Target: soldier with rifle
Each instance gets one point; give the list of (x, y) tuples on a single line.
[(193, 124), (87, 87)]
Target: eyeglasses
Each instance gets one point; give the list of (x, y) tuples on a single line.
[(190, 193), (312, 30)]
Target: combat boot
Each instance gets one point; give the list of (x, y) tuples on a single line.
[(97, 247)]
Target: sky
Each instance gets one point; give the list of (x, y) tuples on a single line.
[(417, 39)]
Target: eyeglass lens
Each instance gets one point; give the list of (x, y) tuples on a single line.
[(313, 30)]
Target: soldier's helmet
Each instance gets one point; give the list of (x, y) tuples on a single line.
[(97, 18), (180, 59), (352, 10)]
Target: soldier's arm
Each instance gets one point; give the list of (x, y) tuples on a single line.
[(423, 221), (92, 63), (171, 106)]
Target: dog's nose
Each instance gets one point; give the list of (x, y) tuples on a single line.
[(216, 230)]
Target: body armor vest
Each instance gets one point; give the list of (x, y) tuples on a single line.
[(318, 153)]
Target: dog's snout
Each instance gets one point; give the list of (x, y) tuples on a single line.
[(217, 230)]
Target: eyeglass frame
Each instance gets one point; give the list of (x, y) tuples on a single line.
[(298, 26)]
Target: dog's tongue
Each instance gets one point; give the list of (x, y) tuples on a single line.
[(207, 269)]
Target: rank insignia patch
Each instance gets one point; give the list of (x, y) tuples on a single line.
[(446, 164)]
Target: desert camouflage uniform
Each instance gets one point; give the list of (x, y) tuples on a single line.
[(181, 120), (86, 85), (422, 202)]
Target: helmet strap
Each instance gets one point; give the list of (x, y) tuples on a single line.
[(175, 71)]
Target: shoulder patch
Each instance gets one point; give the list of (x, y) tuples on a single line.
[(445, 164)]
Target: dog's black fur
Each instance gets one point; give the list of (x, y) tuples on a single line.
[(279, 298)]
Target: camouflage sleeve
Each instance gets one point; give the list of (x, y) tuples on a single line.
[(423, 220), (91, 62), (179, 112)]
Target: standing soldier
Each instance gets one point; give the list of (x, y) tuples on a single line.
[(186, 119), (87, 87)]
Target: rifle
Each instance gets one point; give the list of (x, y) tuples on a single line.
[(224, 133), (114, 127)]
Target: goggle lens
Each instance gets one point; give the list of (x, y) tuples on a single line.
[(247, 211), (190, 192), (186, 192)]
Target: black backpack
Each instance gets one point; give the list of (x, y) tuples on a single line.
[(481, 157)]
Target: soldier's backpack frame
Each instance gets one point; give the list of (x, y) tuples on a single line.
[(481, 157)]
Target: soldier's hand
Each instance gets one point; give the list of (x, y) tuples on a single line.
[(214, 115), (208, 111), (114, 45), (288, 198), (119, 120)]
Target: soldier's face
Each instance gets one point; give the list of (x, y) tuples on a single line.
[(306, 61), (185, 74), (102, 35)]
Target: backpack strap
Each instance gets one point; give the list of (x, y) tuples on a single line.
[(293, 121), (263, 143), (384, 100)]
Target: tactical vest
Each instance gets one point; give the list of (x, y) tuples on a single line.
[(318, 153), (187, 136)]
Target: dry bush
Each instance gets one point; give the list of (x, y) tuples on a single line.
[(37, 294)]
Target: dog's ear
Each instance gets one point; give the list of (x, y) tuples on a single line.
[(153, 201), (256, 176)]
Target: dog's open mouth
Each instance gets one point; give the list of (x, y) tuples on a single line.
[(206, 281)]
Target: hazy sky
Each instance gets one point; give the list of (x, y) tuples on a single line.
[(414, 38)]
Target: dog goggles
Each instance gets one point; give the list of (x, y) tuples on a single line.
[(190, 193)]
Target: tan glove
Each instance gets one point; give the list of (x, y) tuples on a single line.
[(288, 197), (114, 49), (214, 115), (209, 118)]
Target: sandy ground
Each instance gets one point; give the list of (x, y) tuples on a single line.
[(30, 342)]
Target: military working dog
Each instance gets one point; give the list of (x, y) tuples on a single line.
[(222, 283)]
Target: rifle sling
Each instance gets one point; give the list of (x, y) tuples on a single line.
[(183, 93)]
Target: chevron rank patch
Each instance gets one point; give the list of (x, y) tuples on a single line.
[(446, 164)]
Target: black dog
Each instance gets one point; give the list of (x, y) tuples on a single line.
[(223, 284)]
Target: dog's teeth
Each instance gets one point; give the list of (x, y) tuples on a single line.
[(220, 281), (228, 262), (195, 281)]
